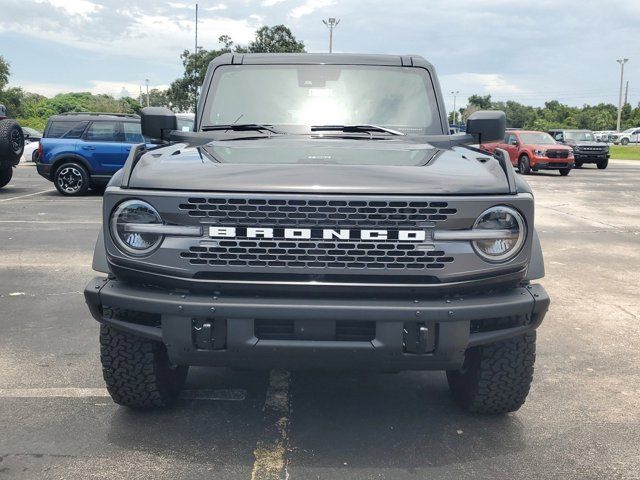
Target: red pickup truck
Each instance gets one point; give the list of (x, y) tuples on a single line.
[(529, 150)]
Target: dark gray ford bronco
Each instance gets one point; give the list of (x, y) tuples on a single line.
[(319, 216)]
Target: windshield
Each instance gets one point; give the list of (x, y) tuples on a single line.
[(537, 138), (579, 136), (286, 96), (629, 130)]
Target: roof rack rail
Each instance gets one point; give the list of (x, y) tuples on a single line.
[(127, 115)]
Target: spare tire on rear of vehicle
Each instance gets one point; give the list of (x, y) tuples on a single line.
[(11, 141)]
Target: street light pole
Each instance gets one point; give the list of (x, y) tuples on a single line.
[(455, 114), (195, 50), (195, 59), (331, 23), (147, 82), (621, 61)]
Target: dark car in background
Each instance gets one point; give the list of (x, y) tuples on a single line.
[(586, 149), (185, 121), (83, 150)]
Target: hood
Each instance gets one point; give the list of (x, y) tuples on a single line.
[(289, 165), (584, 143)]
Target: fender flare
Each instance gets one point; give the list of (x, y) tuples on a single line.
[(535, 270), (99, 263), (62, 157)]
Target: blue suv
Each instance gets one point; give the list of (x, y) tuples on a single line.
[(79, 151)]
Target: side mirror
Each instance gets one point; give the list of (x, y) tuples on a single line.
[(487, 126), (158, 122)]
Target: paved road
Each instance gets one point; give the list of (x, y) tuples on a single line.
[(582, 419)]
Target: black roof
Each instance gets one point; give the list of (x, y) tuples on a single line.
[(324, 58), (569, 130), (79, 116)]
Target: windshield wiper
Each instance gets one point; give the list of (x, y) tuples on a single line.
[(241, 127), (354, 129)]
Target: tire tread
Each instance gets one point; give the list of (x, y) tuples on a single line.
[(136, 370), (498, 378)]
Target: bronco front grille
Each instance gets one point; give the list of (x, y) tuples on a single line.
[(320, 254), (314, 212)]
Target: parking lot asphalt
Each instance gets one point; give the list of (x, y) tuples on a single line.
[(581, 420)]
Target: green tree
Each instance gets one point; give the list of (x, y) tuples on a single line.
[(157, 98), (182, 93), (277, 39), (4, 73), (482, 102)]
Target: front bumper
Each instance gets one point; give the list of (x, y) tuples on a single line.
[(547, 164), (450, 326), (590, 157)]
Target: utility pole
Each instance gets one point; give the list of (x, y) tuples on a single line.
[(455, 114), (195, 50), (195, 60), (140, 97), (621, 61), (147, 82), (626, 93), (331, 23)]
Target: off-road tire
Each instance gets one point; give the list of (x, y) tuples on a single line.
[(11, 141), (624, 141), (495, 378), (564, 171), (71, 170), (524, 165), (137, 371), (602, 164), (6, 172)]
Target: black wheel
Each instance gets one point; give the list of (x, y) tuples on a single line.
[(71, 179), (624, 141), (602, 164), (11, 141), (564, 171), (6, 172), (35, 155), (137, 371), (523, 165), (579, 164), (495, 378)]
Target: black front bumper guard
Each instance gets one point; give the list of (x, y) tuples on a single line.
[(453, 317)]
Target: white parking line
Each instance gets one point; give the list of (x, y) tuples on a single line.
[(232, 395), (24, 196)]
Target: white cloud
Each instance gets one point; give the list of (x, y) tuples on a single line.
[(96, 87), (218, 7), (74, 7), (309, 7), (271, 3)]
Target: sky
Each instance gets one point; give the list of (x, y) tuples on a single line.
[(530, 51)]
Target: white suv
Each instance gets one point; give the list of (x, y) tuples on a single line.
[(630, 135)]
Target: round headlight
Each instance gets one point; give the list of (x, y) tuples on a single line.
[(510, 234), (128, 230)]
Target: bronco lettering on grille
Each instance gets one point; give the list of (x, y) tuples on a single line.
[(316, 233)]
